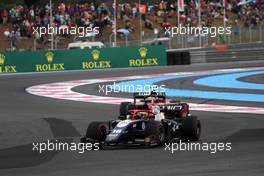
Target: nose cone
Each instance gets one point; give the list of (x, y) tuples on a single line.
[(112, 138)]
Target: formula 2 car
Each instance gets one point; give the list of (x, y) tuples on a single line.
[(152, 121), (151, 100)]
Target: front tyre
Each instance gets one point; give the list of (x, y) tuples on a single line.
[(155, 132), (97, 131)]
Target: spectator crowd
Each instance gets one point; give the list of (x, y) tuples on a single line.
[(100, 15)]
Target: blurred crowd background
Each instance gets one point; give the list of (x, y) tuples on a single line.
[(17, 20)]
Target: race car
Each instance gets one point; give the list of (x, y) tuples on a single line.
[(153, 99), (148, 121)]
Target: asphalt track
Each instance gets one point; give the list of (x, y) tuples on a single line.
[(26, 118)]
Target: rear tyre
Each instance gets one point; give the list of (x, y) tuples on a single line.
[(155, 131), (192, 128), (124, 107), (97, 131)]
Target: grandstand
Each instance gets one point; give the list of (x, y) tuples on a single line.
[(17, 20)]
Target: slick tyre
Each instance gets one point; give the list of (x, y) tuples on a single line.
[(192, 128), (124, 107), (155, 131), (97, 131)]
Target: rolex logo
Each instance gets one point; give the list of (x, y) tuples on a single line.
[(2, 59), (95, 54), (143, 52), (50, 57)]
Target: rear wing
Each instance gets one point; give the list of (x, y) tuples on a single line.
[(145, 95), (148, 94)]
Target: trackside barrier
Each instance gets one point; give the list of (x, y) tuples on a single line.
[(82, 59), (178, 58), (213, 55), (231, 55)]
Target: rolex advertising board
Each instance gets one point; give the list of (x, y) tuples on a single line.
[(82, 59)]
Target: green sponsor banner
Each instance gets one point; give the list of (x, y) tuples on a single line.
[(82, 59)]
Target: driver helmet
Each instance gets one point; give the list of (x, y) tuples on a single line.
[(142, 114)]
